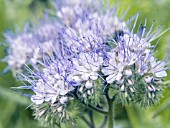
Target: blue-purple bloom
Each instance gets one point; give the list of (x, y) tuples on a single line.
[(83, 54)]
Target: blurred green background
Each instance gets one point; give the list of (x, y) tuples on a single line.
[(14, 13)]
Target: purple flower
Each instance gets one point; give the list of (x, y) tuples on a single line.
[(132, 66)]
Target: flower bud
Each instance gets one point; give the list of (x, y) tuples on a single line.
[(130, 82), (60, 108), (63, 100), (41, 113), (148, 79), (88, 92), (81, 89), (122, 88), (151, 88), (128, 72), (158, 81), (89, 84), (132, 89)]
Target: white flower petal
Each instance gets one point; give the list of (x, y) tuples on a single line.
[(85, 76), (83, 56), (53, 99), (148, 79), (111, 78), (100, 60), (108, 70), (118, 76), (63, 92), (160, 65), (76, 79), (75, 62), (47, 98), (63, 100), (94, 75), (152, 61), (128, 72), (112, 62), (94, 67), (89, 84), (81, 69), (161, 74), (60, 83), (37, 100), (57, 76)]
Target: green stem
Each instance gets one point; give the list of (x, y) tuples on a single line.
[(91, 118), (96, 109), (86, 121), (104, 122), (110, 114), (93, 107)]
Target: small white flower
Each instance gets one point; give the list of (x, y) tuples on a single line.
[(86, 68), (114, 69)]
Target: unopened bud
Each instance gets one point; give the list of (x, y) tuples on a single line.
[(41, 113), (60, 108), (151, 88), (81, 89), (89, 84), (130, 82), (128, 72), (57, 76), (158, 81), (132, 89), (63, 100), (148, 79), (33, 60), (88, 92), (122, 88)]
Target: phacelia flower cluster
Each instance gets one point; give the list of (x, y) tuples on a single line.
[(24, 46), (84, 56)]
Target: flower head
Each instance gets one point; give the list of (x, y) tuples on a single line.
[(19, 49), (86, 56), (26, 45), (50, 81), (132, 69)]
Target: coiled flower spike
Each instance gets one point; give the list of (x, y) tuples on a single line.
[(132, 70)]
